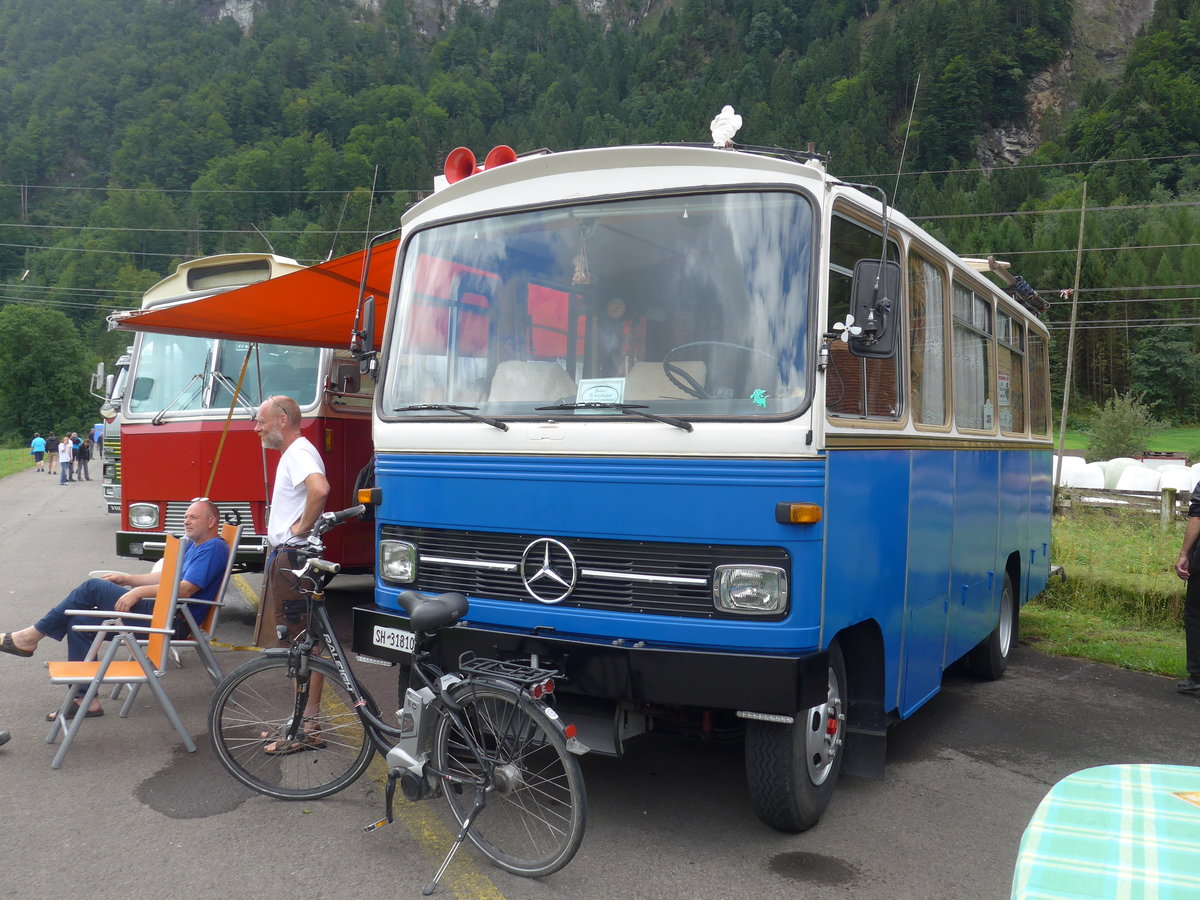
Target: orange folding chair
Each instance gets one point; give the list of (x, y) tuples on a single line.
[(146, 665)]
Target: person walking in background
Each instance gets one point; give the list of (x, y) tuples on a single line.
[(1186, 566), (66, 451), (82, 458), (52, 454), (38, 448), (76, 448)]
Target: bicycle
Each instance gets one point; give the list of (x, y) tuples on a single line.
[(483, 736)]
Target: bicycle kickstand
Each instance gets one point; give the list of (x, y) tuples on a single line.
[(458, 842)]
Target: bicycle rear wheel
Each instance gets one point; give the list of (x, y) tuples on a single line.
[(251, 710), (536, 805)]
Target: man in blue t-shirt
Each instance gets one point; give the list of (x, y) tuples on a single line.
[(38, 448), (204, 558)]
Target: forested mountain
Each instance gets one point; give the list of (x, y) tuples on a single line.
[(137, 134)]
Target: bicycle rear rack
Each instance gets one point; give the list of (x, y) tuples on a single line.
[(525, 676)]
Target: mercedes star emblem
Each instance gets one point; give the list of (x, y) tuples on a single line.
[(548, 570)]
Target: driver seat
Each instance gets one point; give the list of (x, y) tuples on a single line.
[(648, 381)]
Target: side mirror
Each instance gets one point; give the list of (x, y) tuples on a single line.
[(875, 304), (98, 377), (142, 389), (364, 338)]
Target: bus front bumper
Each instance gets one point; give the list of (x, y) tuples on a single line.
[(633, 671), (149, 545)]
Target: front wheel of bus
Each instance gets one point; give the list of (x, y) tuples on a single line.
[(792, 769), (990, 658)]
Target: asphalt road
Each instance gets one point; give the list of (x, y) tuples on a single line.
[(132, 811)]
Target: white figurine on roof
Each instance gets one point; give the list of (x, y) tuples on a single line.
[(724, 126)]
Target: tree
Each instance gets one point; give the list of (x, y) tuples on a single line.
[(1124, 426), (43, 374)]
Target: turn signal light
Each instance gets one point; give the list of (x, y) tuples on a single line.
[(797, 513)]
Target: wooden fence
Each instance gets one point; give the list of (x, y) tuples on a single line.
[(1168, 504)]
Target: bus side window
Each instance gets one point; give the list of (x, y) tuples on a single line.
[(974, 360), (855, 386), (927, 341)]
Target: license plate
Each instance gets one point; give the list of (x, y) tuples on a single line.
[(394, 639)]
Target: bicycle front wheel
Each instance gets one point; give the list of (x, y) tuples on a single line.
[(536, 807), (249, 718)]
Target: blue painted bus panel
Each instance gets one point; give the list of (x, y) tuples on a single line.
[(723, 502)]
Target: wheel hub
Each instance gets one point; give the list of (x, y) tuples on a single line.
[(824, 733), (506, 779)]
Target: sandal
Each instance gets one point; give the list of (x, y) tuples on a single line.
[(307, 740), (7, 646), (90, 714)]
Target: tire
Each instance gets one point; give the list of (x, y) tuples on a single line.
[(536, 808), (792, 769), (990, 658), (256, 701)]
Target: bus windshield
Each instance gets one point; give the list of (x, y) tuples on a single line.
[(186, 374), (688, 306)]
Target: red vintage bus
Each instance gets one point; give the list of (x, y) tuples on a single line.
[(184, 435)]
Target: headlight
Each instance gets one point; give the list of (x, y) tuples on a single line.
[(397, 562), (143, 515), (750, 590)]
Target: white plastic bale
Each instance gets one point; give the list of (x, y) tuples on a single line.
[(1113, 469), (1181, 478), (1090, 476), (1138, 478)]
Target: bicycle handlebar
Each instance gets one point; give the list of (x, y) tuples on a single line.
[(329, 520)]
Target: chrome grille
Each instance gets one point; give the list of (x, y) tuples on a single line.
[(177, 509), (630, 576)]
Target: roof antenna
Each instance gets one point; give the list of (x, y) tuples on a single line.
[(371, 206), (338, 230), (265, 241), (904, 147)]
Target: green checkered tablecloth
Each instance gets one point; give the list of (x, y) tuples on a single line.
[(1114, 831)]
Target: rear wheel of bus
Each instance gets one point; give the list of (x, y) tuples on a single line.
[(990, 658), (792, 769)]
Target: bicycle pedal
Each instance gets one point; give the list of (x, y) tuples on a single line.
[(375, 826)]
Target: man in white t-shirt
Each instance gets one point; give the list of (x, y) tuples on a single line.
[(296, 501)]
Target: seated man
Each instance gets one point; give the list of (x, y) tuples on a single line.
[(204, 557)]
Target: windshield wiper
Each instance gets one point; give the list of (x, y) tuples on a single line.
[(161, 415), (634, 409), (461, 410)]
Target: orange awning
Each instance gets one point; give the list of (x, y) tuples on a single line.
[(314, 307)]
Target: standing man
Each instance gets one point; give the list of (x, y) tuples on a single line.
[(52, 452), (66, 452), (38, 448), (82, 457), (297, 499), (1191, 605)]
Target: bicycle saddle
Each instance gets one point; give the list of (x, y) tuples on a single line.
[(428, 614)]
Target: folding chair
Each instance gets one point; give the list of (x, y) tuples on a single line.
[(145, 666), (200, 634)]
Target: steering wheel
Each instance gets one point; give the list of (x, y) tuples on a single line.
[(689, 385)]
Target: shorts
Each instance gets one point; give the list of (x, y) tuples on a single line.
[(280, 604)]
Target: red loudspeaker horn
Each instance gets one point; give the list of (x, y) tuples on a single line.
[(460, 163), (499, 156)]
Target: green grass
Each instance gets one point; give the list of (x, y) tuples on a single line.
[(1171, 440), (14, 461), (1122, 603)]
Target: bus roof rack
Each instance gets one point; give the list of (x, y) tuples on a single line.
[(1020, 289)]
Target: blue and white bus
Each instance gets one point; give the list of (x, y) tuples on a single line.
[(722, 438)]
